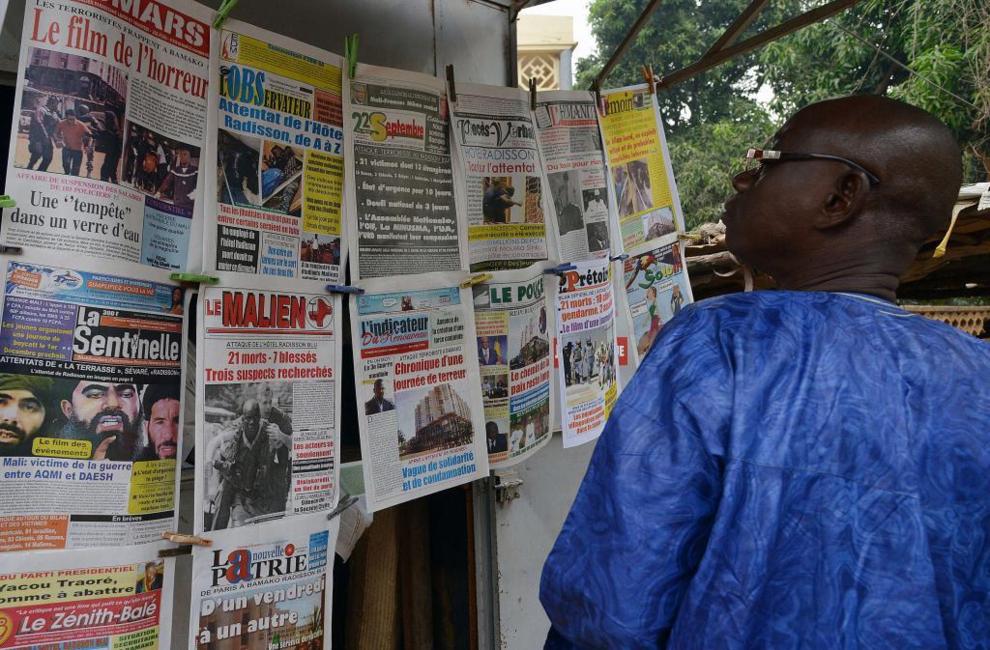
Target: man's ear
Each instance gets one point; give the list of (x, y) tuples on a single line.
[(844, 202), (66, 408)]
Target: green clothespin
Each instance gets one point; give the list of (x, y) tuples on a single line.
[(193, 278), (7, 202), (225, 8), (350, 54)]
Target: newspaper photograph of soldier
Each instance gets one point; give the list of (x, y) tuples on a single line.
[(432, 419), (160, 166), (500, 200), (566, 193), (589, 359), (238, 169), (71, 116), (248, 453), (281, 178)]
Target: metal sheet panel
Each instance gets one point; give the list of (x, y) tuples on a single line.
[(476, 38), (526, 529)]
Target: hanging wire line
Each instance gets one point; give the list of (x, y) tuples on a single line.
[(896, 62)]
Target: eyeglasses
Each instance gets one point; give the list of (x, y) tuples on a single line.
[(760, 157)]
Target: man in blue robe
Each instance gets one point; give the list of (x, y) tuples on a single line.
[(804, 468)]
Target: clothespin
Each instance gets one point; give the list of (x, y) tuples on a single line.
[(532, 94), (619, 258), (344, 504), (474, 280), (345, 289), (451, 87), (350, 54), (560, 268), (649, 78), (944, 244), (185, 542), (225, 7), (598, 98), (193, 278), (7, 202)]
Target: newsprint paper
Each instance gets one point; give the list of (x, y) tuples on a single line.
[(274, 196), (267, 405), (96, 598), (399, 178), (266, 586), (105, 153), (419, 397), (90, 369)]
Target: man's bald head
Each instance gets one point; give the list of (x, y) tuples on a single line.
[(915, 156), (814, 224)]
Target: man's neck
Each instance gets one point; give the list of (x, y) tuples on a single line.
[(843, 275)]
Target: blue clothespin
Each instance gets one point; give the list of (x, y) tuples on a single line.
[(225, 7), (193, 278), (561, 268), (619, 258), (350, 54), (343, 288), (7, 202)]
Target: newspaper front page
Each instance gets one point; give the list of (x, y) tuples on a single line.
[(513, 346), (268, 586), (267, 406), (90, 388), (641, 175), (111, 115), (419, 396), (86, 599), (401, 186), (589, 359), (275, 197), (499, 169), (656, 286), (571, 147)]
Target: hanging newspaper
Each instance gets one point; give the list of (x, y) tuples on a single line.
[(571, 147), (499, 169), (642, 177), (90, 380), (267, 586), (274, 203), (267, 406), (417, 379), (656, 286), (105, 153), (586, 335), (95, 598), (399, 171), (513, 343)]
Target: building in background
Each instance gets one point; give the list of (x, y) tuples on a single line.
[(544, 46)]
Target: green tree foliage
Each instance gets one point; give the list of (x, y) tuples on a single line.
[(712, 118)]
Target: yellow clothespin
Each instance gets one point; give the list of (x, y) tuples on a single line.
[(944, 244), (180, 538), (476, 280), (225, 7)]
